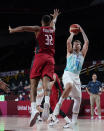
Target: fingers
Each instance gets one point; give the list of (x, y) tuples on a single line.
[(56, 12), (9, 27)]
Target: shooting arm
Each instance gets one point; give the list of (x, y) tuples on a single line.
[(69, 43), (86, 42)]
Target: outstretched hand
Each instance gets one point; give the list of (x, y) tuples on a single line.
[(10, 29), (56, 13)]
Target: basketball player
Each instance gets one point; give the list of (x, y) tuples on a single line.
[(56, 90), (43, 65), (71, 80)]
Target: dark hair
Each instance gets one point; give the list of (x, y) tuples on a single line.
[(77, 41), (94, 74), (46, 19)]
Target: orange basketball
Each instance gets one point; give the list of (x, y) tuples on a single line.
[(74, 28)]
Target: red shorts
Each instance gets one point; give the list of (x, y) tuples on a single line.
[(43, 65)]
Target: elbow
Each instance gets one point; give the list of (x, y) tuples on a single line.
[(68, 42), (87, 41)]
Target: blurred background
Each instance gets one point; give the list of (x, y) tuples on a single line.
[(17, 50)]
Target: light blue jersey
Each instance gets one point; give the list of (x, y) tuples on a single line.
[(74, 63)]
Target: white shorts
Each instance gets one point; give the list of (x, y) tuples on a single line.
[(69, 77)]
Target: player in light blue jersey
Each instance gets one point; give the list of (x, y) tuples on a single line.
[(71, 80)]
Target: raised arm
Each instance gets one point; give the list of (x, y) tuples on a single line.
[(69, 43), (24, 28), (54, 15), (86, 42)]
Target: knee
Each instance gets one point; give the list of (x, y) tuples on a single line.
[(68, 86), (46, 85), (46, 90), (33, 86), (92, 106), (37, 107), (98, 106), (67, 90), (76, 106), (78, 100)]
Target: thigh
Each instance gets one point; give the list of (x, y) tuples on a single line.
[(38, 64), (66, 78), (97, 100), (92, 100), (48, 69), (34, 82), (76, 90)]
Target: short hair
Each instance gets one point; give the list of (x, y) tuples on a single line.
[(94, 74), (46, 19)]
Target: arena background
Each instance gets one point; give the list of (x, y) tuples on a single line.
[(16, 50)]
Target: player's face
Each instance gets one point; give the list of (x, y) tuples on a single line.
[(76, 46)]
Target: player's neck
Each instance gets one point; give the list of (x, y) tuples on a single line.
[(45, 25)]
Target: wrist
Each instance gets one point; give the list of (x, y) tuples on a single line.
[(55, 19)]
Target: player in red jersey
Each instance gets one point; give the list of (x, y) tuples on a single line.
[(43, 64)]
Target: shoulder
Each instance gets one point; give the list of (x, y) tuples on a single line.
[(90, 82), (47, 29), (98, 82), (69, 54)]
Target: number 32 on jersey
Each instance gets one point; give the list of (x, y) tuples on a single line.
[(48, 40)]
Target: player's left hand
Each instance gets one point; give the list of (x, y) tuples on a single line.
[(56, 13)]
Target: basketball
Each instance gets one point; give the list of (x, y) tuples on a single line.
[(74, 28)]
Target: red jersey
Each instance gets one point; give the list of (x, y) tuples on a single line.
[(46, 40)]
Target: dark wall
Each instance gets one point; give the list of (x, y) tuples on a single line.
[(17, 50)]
